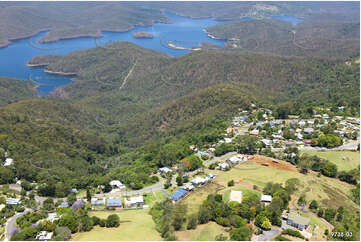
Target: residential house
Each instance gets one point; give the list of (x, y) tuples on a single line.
[(136, 201), (188, 187), (199, 181), (302, 123), (13, 201), (117, 184), (74, 190), (8, 162), (325, 116), (63, 205), (235, 196), (114, 203), (307, 142), (298, 221), (52, 217), (44, 236), (223, 166), (308, 130), (179, 194), (97, 202), (234, 160), (267, 142), (164, 170), (254, 132), (202, 153), (266, 198), (228, 140)]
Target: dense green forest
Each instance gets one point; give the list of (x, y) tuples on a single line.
[(13, 90)]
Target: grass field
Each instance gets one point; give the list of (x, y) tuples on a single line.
[(196, 198), (245, 192), (204, 232), (135, 225), (345, 160), (331, 192), (153, 197)]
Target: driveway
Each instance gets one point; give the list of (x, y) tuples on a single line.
[(268, 235)]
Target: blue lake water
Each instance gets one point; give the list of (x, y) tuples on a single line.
[(184, 31)]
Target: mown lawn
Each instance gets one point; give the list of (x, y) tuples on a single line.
[(135, 225), (345, 160), (153, 197), (203, 232)]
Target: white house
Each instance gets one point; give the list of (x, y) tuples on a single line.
[(44, 236), (223, 166), (135, 201), (117, 184), (188, 187), (8, 162), (308, 130), (199, 181), (13, 201), (164, 170), (228, 140), (235, 196), (302, 123), (52, 217), (266, 198), (267, 142)]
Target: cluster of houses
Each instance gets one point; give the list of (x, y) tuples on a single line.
[(302, 130), (114, 202), (187, 188)]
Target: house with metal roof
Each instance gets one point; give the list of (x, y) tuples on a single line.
[(178, 194), (44, 236), (117, 184), (114, 203), (164, 170), (63, 205), (298, 221), (8, 162), (97, 202), (266, 198), (136, 201), (13, 201)]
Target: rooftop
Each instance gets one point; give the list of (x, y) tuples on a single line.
[(298, 219)]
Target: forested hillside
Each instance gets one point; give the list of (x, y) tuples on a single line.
[(13, 90), (326, 38), (129, 106)]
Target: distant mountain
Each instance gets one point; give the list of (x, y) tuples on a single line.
[(325, 38), (77, 19)]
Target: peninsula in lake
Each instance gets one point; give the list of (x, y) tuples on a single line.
[(143, 35)]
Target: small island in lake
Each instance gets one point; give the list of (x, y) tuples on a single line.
[(143, 35)]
